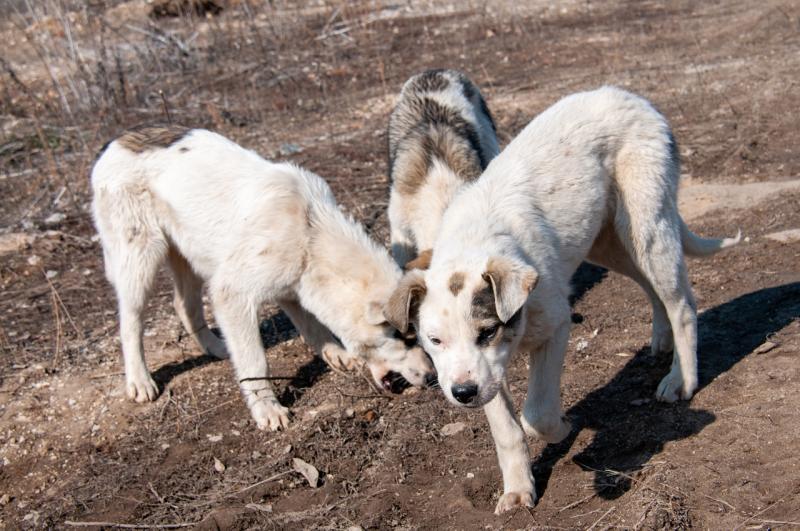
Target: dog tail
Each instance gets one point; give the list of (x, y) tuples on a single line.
[(694, 245)]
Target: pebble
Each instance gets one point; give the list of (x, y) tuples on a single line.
[(55, 219), (219, 466), (785, 236), (453, 428), (289, 149), (765, 347), (14, 241)]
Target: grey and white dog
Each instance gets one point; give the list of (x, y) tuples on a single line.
[(441, 135)]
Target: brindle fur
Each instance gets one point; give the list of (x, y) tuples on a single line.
[(421, 129), (152, 137)]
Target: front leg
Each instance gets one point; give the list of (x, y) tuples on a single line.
[(541, 415), (512, 453), (318, 337), (237, 315)]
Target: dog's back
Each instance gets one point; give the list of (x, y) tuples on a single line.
[(201, 193), (441, 135)]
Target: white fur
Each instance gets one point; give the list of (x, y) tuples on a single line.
[(593, 177), (255, 232)]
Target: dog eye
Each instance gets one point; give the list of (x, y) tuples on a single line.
[(487, 333), (435, 340)]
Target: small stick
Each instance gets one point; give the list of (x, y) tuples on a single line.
[(130, 526), (271, 478), (155, 492), (385, 397), (164, 104), (106, 375), (61, 303), (598, 520), (723, 502), (762, 511), (575, 504)]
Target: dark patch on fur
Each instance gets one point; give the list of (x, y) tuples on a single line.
[(440, 133), (421, 130), (102, 150), (483, 316), (184, 149), (483, 306), (456, 283), (422, 261), (430, 81), (152, 137), (674, 151), (485, 110)]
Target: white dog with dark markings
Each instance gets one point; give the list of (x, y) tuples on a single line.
[(256, 232), (593, 177), (441, 136)]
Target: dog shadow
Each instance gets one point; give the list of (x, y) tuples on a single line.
[(274, 330), (631, 427)]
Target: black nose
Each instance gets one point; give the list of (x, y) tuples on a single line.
[(465, 392), (431, 380)]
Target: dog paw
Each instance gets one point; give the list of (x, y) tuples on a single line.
[(338, 358), (552, 430), (270, 415), (142, 388), (672, 388), (216, 347), (512, 500)]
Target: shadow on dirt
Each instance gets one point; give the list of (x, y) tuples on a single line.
[(274, 330), (629, 435)]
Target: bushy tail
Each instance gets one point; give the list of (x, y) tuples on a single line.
[(694, 245)]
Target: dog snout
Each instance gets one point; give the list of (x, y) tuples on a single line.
[(465, 392), (431, 380)]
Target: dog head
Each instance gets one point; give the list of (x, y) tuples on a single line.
[(394, 360), (469, 316)]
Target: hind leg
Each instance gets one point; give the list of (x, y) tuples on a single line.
[(132, 267), (318, 337), (188, 304), (608, 251), (657, 250)]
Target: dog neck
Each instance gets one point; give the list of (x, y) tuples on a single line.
[(347, 279)]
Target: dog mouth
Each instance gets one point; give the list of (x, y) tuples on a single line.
[(394, 382)]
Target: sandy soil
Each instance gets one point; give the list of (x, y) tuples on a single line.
[(315, 85)]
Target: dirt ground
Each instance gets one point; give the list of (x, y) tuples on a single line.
[(314, 83)]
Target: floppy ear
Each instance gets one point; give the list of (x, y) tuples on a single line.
[(512, 281), (404, 302), (423, 261)]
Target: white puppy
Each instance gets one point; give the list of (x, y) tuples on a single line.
[(256, 232), (441, 135), (593, 177)]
